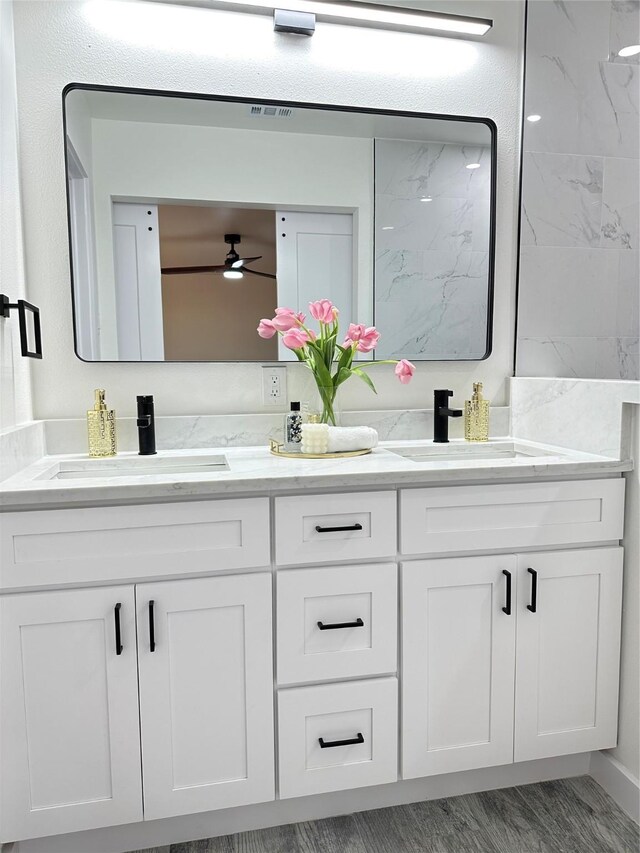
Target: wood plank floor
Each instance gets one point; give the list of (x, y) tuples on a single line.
[(566, 816)]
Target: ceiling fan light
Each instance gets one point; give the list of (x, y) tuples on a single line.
[(235, 274)]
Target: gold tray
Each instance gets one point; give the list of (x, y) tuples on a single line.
[(277, 450)]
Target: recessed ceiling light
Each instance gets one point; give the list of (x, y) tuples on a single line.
[(534, 117), (388, 227), (630, 50), (426, 198), (473, 165), (233, 274)]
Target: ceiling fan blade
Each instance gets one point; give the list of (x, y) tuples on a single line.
[(186, 270), (263, 274), (242, 261)]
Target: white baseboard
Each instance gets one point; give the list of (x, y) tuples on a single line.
[(159, 833), (616, 780)]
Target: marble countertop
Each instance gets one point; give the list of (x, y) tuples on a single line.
[(251, 470)]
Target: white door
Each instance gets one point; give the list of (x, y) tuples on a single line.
[(85, 293), (568, 652), (138, 282), (315, 261), (69, 712), (206, 693), (457, 664)]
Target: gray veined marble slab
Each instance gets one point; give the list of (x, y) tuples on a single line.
[(444, 223), (562, 200), (588, 104), (624, 29), (254, 470), (620, 204)]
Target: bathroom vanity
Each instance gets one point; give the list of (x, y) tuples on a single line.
[(178, 643)]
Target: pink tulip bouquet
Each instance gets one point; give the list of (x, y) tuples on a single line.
[(331, 363)]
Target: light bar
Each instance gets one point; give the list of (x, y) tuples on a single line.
[(370, 15)]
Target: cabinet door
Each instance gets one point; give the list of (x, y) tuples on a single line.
[(458, 657), (568, 652), (70, 729), (206, 693)]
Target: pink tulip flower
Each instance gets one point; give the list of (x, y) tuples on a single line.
[(286, 318), (295, 338), (404, 370), (323, 311), (365, 338), (266, 329)]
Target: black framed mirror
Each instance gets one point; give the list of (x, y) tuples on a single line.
[(191, 217)]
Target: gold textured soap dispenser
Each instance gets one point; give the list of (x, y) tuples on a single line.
[(476, 416), (101, 425)]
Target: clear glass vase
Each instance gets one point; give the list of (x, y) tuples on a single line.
[(323, 403)]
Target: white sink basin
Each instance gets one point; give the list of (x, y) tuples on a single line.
[(139, 466), (457, 450)]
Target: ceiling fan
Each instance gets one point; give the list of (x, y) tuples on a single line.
[(233, 267)]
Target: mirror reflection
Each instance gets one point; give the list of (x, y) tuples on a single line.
[(193, 218)]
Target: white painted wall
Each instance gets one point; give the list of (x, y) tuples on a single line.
[(196, 49), (175, 162), (15, 377)]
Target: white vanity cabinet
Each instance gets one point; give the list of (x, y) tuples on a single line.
[(152, 683), (71, 723), (70, 757), (472, 626)]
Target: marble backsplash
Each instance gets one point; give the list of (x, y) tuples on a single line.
[(578, 310), (582, 414), (23, 445)]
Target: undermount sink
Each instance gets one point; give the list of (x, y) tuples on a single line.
[(456, 452), (144, 466)]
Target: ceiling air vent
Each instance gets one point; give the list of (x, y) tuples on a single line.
[(270, 112)]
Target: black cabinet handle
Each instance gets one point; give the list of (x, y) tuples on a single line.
[(327, 744), (534, 591), (507, 608), (152, 628), (338, 529), (116, 616), (357, 624)]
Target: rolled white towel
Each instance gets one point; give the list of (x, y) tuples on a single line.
[(351, 438)]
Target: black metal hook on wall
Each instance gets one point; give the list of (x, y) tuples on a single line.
[(22, 307)]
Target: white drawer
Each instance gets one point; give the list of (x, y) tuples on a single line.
[(472, 518), (336, 622), (332, 528), (110, 543), (364, 712)]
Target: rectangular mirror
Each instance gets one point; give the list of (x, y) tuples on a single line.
[(193, 217)]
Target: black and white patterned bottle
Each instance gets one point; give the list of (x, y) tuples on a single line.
[(293, 429)]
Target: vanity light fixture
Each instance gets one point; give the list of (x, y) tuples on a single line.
[(534, 117), (233, 274), (630, 50), (359, 14), (473, 165)]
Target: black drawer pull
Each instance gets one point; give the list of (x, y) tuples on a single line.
[(152, 628), (338, 529), (507, 608), (116, 616), (327, 744), (357, 624), (534, 591)]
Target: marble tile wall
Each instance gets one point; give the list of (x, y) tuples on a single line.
[(432, 241), (578, 313)]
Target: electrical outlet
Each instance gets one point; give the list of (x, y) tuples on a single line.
[(274, 386)]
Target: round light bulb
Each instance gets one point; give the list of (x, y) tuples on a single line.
[(534, 117), (630, 50), (387, 227), (233, 274), (473, 165)]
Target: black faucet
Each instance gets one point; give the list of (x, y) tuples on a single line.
[(146, 426), (441, 415)]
